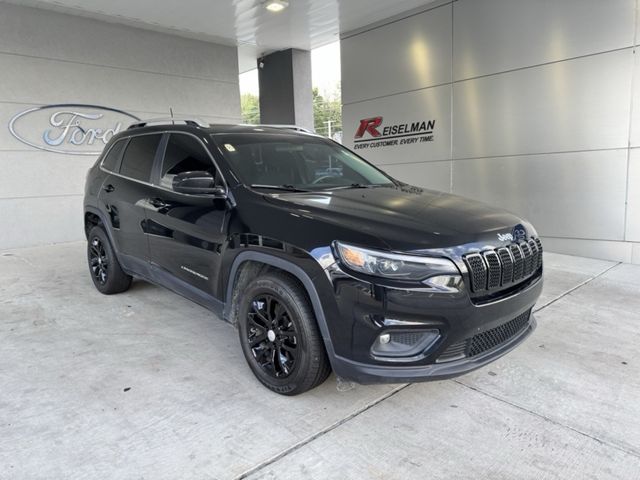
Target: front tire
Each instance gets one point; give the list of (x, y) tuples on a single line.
[(279, 335), (106, 272)]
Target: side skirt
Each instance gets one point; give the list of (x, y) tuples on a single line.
[(158, 276)]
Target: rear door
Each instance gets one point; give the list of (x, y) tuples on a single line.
[(124, 192), (186, 231)]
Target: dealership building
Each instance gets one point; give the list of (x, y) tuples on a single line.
[(254, 301), (545, 125)]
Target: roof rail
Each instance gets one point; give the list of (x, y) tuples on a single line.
[(286, 127), (194, 122)]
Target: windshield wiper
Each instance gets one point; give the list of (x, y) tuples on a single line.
[(286, 187), (354, 185)]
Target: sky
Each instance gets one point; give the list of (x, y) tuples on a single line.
[(325, 71)]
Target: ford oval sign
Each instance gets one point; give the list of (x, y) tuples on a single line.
[(72, 129)]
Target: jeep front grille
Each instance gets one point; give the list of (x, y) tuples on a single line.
[(490, 270)]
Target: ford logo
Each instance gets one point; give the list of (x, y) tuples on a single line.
[(72, 129)]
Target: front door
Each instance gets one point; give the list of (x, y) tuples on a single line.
[(186, 232)]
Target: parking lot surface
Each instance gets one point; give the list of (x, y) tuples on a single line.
[(146, 384)]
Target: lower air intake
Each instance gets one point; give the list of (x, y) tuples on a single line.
[(495, 337), (485, 341)]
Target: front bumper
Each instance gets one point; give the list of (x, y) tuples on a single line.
[(368, 373), (365, 311)]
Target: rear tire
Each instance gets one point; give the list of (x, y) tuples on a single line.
[(279, 335), (105, 270)]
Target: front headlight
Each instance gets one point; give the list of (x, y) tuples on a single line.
[(395, 266)]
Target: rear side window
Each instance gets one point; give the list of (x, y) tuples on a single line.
[(184, 154), (138, 157), (110, 162)]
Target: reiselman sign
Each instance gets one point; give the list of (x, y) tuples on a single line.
[(71, 129), (371, 133)]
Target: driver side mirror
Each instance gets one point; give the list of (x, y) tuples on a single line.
[(198, 183)]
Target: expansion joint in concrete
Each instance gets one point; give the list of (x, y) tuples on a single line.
[(320, 433)]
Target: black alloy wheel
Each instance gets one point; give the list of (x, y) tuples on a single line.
[(106, 272), (98, 261), (272, 336), (279, 334)]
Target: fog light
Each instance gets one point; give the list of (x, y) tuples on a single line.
[(404, 343)]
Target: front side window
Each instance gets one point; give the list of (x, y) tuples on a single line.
[(296, 161), (138, 157), (184, 154)]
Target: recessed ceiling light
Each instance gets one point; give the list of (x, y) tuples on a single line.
[(275, 5)]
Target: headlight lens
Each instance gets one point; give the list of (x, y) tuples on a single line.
[(392, 265)]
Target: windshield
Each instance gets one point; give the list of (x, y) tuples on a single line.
[(296, 162)]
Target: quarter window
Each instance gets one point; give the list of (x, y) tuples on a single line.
[(184, 154), (110, 162), (138, 157)]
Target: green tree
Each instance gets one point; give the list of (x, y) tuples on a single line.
[(250, 108), (327, 112)]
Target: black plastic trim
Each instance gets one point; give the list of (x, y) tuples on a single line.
[(368, 374), (297, 272)]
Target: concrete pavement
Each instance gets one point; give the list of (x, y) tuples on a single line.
[(148, 385)]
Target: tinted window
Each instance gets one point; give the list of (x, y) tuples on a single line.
[(110, 162), (184, 154), (138, 157), (299, 161)]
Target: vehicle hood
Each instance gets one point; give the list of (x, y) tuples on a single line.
[(406, 218)]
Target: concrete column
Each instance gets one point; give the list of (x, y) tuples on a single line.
[(285, 88)]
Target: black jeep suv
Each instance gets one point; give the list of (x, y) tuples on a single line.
[(320, 260)]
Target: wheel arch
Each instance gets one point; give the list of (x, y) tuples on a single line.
[(292, 269), (92, 212)]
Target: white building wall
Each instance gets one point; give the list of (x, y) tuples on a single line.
[(537, 110), (52, 58)]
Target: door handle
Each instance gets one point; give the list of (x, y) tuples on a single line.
[(158, 203), (109, 188)]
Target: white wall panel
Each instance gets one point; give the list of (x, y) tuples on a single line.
[(581, 104), (493, 36), (37, 221), (47, 34), (576, 195), (432, 175), (48, 58), (406, 55), (33, 80), (634, 137), (430, 104), (606, 250), (542, 107), (633, 205), (36, 173)]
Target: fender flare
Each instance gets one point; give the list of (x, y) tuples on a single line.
[(103, 219), (299, 274)]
